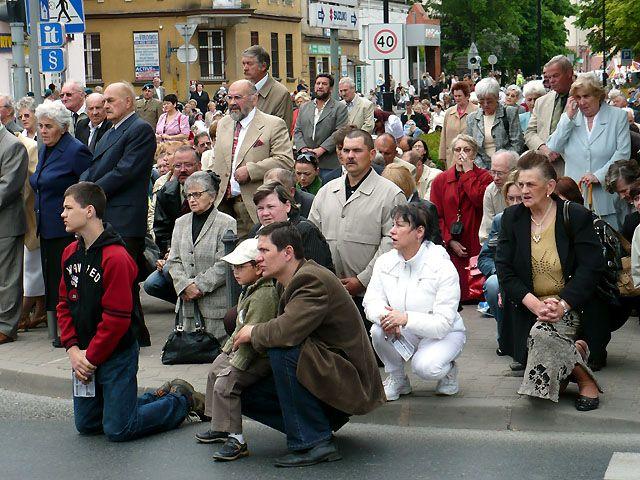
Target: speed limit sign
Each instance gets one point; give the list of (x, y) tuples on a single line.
[(386, 41)]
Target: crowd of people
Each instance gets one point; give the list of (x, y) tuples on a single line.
[(374, 249)]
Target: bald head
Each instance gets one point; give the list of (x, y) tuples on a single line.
[(244, 85), (242, 98), (119, 101), (386, 146)]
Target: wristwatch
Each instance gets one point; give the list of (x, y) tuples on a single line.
[(565, 307)]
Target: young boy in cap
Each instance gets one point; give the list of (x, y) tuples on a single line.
[(94, 315), (233, 371)]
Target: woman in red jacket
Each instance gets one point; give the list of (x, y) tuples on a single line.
[(457, 194)]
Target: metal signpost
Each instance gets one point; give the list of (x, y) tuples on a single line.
[(626, 57), (186, 31), (492, 59)]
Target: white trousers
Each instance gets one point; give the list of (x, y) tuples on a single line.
[(431, 360)]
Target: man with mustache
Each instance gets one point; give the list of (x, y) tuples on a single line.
[(249, 142)]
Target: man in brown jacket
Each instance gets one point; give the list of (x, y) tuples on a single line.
[(323, 366)]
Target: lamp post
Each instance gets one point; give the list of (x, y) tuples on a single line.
[(604, 44), (539, 39)]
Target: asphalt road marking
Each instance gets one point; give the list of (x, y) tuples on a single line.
[(623, 466)]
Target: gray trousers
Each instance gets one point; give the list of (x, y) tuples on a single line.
[(225, 383), (11, 265)]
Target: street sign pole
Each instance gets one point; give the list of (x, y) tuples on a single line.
[(387, 96), (186, 30), (188, 64), (334, 44)]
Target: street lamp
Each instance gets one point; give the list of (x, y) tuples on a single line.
[(604, 44)]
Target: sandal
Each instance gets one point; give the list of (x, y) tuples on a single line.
[(583, 349), (584, 404)]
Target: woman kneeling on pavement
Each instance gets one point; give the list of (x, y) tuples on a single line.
[(548, 267), (412, 300)]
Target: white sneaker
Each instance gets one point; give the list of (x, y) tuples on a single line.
[(396, 386), (449, 384)]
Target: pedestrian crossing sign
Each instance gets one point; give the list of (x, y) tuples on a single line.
[(70, 13)]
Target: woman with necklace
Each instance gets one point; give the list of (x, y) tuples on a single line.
[(549, 267), (591, 136)]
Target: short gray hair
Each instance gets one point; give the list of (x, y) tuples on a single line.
[(513, 157), (55, 111), (561, 60), (26, 102), (348, 81), (259, 53), (517, 90), (76, 83), (487, 87), (203, 179), (465, 138), (535, 88), (8, 101)]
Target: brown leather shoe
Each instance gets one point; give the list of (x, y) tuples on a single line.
[(5, 338)]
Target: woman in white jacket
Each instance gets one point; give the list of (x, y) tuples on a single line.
[(412, 300)]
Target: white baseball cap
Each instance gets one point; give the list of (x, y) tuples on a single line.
[(244, 252)]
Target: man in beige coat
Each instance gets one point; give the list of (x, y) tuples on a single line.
[(548, 109), (249, 142), (360, 109), (353, 212), (273, 97), (323, 366)]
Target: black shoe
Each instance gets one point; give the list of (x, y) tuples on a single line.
[(499, 352), (323, 452), (597, 365), (516, 366), (211, 436), (584, 404), (56, 343), (231, 450)]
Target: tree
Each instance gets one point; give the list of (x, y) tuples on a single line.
[(505, 28), (622, 24)]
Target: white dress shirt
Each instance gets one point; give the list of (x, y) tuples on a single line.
[(245, 122)]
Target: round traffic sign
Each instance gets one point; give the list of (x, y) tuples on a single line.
[(492, 59), (385, 41)]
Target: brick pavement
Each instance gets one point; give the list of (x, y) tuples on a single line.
[(487, 398)]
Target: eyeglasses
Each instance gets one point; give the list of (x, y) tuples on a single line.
[(497, 173), (195, 195), (235, 97), (68, 94), (208, 144), (24, 115), (178, 166)]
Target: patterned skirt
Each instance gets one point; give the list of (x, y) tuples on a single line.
[(552, 357)]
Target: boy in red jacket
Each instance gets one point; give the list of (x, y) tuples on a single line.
[(94, 315)]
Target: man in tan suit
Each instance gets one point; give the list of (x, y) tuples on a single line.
[(148, 107), (249, 142), (548, 109), (273, 97), (359, 108)]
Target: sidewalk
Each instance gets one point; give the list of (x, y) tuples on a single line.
[(487, 398)]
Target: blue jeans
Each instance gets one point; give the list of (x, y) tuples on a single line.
[(116, 409), (280, 402), (160, 285), (491, 291)]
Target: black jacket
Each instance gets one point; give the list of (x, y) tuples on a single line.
[(168, 208), (304, 200), (581, 259), (82, 131)]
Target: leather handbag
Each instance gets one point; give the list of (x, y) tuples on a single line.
[(475, 281), (183, 347)]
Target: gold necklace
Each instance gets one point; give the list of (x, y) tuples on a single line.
[(536, 237)]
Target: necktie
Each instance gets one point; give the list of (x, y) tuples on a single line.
[(558, 107), (75, 118), (184, 208), (236, 134), (94, 140)]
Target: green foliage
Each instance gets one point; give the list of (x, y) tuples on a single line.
[(504, 28), (433, 142), (622, 24)]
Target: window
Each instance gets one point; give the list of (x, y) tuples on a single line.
[(92, 60), (275, 61), (312, 72), (255, 39), (211, 54), (288, 51)]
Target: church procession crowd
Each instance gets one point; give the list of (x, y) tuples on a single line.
[(357, 243)]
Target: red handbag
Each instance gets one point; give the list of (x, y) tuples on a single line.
[(475, 281)]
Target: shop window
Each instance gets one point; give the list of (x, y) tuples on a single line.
[(92, 60)]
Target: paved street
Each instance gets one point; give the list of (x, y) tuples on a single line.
[(38, 441)]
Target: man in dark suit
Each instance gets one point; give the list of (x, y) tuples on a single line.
[(122, 165), (317, 122), (91, 129), (72, 96), (14, 162), (201, 97)]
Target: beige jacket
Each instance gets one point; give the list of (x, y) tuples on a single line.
[(539, 128), (361, 114), (357, 229), (266, 145), (493, 203), (200, 262), (425, 181), (452, 126), (405, 164), (274, 99), (31, 240)]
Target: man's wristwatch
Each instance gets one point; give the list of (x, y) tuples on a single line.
[(564, 306)]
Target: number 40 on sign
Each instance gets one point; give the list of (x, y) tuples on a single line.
[(386, 41)]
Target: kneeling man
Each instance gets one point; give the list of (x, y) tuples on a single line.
[(324, 369)]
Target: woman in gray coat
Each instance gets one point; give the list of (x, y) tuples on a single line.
[(194, 261), (493, 126)]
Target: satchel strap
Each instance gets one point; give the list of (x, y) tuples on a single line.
[(197, 316)]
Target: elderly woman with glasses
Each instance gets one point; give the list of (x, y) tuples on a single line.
[(457, 194), (61, 161), (194, 261), (513, 98), (26, 108), (591, 136), (493, 126)]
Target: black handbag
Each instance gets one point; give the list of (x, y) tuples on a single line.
[(183, 347)]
